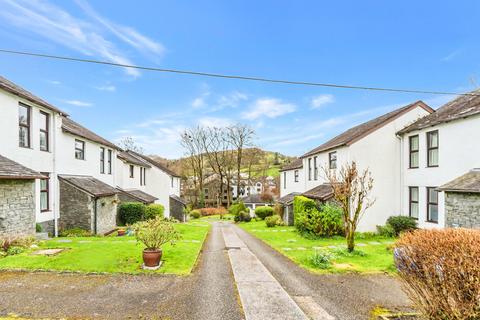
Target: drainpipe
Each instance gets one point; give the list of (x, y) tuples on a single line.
[(401, 175), (56, 203), (95, 215)]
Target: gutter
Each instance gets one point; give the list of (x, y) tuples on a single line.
[(95, 215)]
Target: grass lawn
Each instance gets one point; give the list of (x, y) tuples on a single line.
[(112, 254), (375, 255)]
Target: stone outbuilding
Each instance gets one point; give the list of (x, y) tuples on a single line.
[(17, 198), (177, 206), (287, 204), (462, 201), (253, 201), (87, 203)]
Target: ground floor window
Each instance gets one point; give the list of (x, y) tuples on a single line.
[(413, 202), (432, 204), (44, 193)]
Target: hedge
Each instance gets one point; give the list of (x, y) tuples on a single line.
[(263, 212), (131, 212), (318, 220)]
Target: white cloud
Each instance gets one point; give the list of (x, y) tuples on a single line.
[(78, 103), (268, 107), (87, 37), (54, 82), (321, 100), (108, 87), (214, 122), (451, 55), (200, 101)]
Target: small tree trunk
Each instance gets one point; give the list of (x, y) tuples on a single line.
[(350, 233)]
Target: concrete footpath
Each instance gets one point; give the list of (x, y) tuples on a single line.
[(261, 294)]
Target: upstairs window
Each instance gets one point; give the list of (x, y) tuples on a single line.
[(79, 149), (310, 169), (432, 148), (109, 161), (24, 126), (44, 193), (432, 204), (413, 151), (102, 160), (315, 169), (44, 129), (171, 181), (132, 170), (142, 176), (295, 175), (284, 180), (332, 160), (413, 201)]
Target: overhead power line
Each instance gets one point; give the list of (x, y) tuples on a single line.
[(236, 77)]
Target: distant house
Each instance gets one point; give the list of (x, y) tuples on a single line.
[(253, 201)]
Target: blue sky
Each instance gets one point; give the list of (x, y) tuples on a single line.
[(426, 45)]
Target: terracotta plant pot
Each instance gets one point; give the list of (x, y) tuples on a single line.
[(151, 258), (121, 232)]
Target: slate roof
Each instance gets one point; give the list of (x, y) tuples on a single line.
[(322, 192), (177, 198), (156, 164), (130, 158), (90, 185), (287, 199), (10, 169), (70, 126), (294, 164), (358, 132), (459, 108), (468, 183), (139, 195), (253, 198), (11, 87)]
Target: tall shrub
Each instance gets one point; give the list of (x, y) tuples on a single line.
[(310, 219), (131, 212), (154, 210), (401, 223), (263, 212), (441, 272)]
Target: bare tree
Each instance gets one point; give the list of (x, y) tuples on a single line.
[(351, 190), (128, 143), (241, 136), (192, 141)]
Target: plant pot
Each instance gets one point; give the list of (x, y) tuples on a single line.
[(151, 258), (121, 232)]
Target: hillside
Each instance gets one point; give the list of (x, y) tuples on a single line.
[(259, 162)]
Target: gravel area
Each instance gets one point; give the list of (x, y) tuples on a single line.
[(209, 293)]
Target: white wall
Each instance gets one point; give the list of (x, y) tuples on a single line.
[(123, 179), (288, 184), (380, 153), (33, 158), (459, 153)]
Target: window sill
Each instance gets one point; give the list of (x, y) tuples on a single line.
[(30, 148), (432, 166), (431, 221), (412, 167), (45, 211)]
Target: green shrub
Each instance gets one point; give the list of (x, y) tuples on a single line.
[(154, 210), (386, 231), (195, 214), (345, 253), (38, 227), (401, 224), (154, 233), (236, 208), (309, 219), (321, 259), (131, 212), (263, 212), (274, 221), (242, 216), (75, 232)]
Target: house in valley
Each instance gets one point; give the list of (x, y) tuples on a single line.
[(373, 145), (440, 180)]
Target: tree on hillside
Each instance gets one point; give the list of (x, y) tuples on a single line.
[(192, 142), (351, 189), (128, 143), (241, 136)]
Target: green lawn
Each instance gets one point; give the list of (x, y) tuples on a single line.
[(113, 254), (375, 253)]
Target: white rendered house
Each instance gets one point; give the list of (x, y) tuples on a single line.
[(373, 145)]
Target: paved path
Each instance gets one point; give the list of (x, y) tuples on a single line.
[(345, 297)]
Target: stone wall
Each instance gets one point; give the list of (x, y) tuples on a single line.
[(123, 197), (106, 214), (176, 210), (48, 226), (76, 208), (462, 210), (17, 207)]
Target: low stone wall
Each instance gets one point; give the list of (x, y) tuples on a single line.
[(462, 210), (48, 226), (176, 210), (17, 207)]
